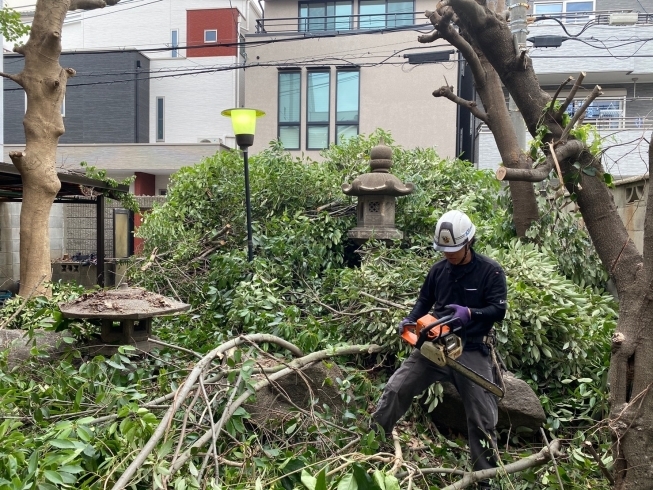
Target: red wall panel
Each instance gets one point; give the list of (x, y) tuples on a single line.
[(224, 20)]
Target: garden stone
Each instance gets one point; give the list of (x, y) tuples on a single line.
[(19, 344), (272, 407), (520, 407)]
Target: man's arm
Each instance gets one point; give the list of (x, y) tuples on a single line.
[(495, 310), (426, 298)]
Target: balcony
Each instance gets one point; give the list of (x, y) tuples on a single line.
[(597, 17), (331, 24)]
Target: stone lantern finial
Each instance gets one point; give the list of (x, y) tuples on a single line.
[(376, 193)]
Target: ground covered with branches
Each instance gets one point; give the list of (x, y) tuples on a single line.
[(178, 417)]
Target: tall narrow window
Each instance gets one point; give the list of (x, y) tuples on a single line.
[(347, 104), (160, 119), (317, 110), (289, 108), (174, 42)]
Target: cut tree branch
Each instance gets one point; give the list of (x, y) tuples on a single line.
[(91, 4), (570, 96), (555, 96), (569, 149), (596, 91), (447, 92)]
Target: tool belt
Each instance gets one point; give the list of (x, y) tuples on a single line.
[(489, 339)]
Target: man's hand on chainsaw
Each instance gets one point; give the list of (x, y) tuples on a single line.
[(402, 324), (461, 314)]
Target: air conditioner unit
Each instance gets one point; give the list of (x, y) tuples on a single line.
[(623, 19), (215, 141)]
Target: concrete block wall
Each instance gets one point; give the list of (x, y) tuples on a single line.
[(10, 239)]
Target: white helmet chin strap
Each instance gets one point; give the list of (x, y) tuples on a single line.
[(462, 261)]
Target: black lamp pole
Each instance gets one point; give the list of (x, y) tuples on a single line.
[(244, 124), (248, 207)]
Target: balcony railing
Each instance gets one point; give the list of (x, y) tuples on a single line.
[(601, 17), (610, 123), (337, 23)]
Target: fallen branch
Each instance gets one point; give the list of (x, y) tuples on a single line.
[(399, 457), (538, 459), (384, 301), (183, 392), (597, 458), (229, 410), (555, 463)]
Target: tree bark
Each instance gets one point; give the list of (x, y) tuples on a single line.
[(44, 81)]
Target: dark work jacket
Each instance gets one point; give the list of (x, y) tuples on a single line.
[(480, 285)]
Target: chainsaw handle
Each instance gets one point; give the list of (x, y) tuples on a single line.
[(424, 333)]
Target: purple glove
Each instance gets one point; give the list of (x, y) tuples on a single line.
[(402, 324), (461, 313)]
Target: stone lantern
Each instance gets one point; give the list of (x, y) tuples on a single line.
[(124, 313), (376, 191)]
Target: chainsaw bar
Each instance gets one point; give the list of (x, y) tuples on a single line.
[(475, 377), (436, 356)]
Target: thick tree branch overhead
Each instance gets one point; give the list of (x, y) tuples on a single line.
[(91, 4), (447, 92)]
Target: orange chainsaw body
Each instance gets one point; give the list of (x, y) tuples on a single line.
[(411, 332)]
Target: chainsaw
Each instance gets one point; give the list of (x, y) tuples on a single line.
[(438, 342)]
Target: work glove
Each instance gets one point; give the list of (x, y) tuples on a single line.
[(461, 313), (402, 324)]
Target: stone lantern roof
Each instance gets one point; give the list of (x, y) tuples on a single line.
[(125, 315), (124, 303), (379, 181)]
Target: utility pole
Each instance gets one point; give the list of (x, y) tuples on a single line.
[(518, 27)]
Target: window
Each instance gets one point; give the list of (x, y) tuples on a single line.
[(325, 16), (174, 42), (160, 119), (576, 11), (211, 36), (605, 113), (317, 110), (347, 104), (289, 108), (379, 14)]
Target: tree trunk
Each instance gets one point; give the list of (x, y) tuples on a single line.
[(44, 81), (487, 36)]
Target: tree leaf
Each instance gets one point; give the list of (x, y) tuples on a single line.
[(348, 482)]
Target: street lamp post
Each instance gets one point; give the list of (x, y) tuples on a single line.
[(243, 121)]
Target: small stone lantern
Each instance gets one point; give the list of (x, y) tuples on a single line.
[(125, 314), (376, 191)]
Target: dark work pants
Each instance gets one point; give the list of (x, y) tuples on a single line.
[(417, 373)]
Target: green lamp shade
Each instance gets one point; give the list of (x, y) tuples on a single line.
[(243, 120)]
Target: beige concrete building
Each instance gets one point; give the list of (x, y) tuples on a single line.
[(324, 71)]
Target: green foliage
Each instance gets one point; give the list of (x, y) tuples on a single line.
[(127, 199), (11, 26)]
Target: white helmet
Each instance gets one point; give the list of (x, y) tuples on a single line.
[(453, 231)]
